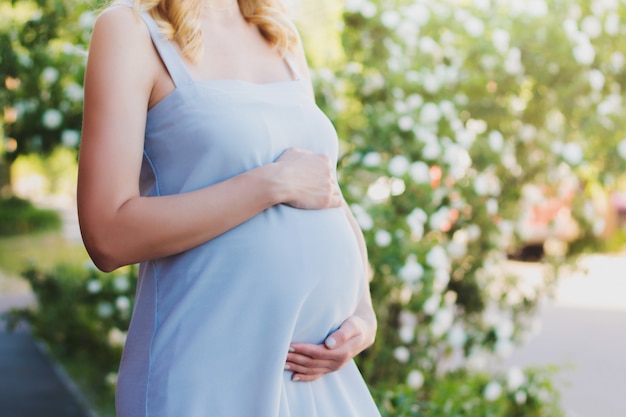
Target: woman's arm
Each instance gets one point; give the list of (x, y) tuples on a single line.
[(119, 226), (309, 362)]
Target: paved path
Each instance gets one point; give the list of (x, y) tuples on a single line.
[(31, 384), (584, 331)]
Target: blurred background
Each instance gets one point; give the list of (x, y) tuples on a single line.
[(483, 148)]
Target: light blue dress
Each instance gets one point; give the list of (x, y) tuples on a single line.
[(212, 326)]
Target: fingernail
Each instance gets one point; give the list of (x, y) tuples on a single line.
[(287, 367), (291, 349), (330, 343), (296, 379)]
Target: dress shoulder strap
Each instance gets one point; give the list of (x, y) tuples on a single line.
[(293, 66), (168, 52)]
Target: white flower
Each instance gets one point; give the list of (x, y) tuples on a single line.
[(441, 322), (596, 79), (362, 217), (536, 8), (584, 52), (418, 13), (122, 303), (121, 283), (465, 138), (611, 24), (504, 328), (49, 75), (513, 62), (621, 148), (431, 151), (380, 190), (94, 286), (390, 19), (52, 118), (86, 20), (457, 250), (406, 123), (520, 397), (428, 45), (504, 348), (458, 159), (592, 26), (70, 138), (572, 153), (598, 226), (430, 114), (527, 133), (401, 354), (474, 26), (431, 305), (372, 159), (415, 379), (412, 270), (399, 165), (442, 278), (437, 258), (473, 232), (515, 378), (492, 206), (382, 238), (74, 92), (105, 309), (407, 318), (111, 378), (501, 39), (440, 220), (496, 141), (406, 333), (477, 361), (369, 9), (571, 28), (431, 83), (492, 391), (414, 101), (457, 336), (420, 172), (116, 337)]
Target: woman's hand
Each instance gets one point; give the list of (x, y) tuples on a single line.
[(309, 362), (307, 179)]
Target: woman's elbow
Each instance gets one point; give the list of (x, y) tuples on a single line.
[(101, 250)]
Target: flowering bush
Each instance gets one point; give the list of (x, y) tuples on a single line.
[(43, 49), (457, 119), (83, 315)]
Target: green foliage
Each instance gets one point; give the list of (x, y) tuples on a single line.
[(19, 216), (459, 121), (82, 315), (43, 50), (461, 394)]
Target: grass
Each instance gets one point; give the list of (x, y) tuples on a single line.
[(44, 249)]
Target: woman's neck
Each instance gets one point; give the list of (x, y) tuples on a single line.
[(221, 6)]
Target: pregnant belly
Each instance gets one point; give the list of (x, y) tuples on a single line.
[(284, 262)]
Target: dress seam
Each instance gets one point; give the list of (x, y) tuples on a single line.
[(157, 186), (154, 331)]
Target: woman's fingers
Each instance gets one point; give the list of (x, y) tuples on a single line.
[(309, 179)]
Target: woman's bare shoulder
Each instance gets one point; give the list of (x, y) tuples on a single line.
[(120, 22)]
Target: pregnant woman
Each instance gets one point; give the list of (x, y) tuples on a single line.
[(205, 159)]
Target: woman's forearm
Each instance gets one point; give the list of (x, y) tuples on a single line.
[(144, 228)]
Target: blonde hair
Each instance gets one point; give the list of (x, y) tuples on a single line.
[(179, 20)]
